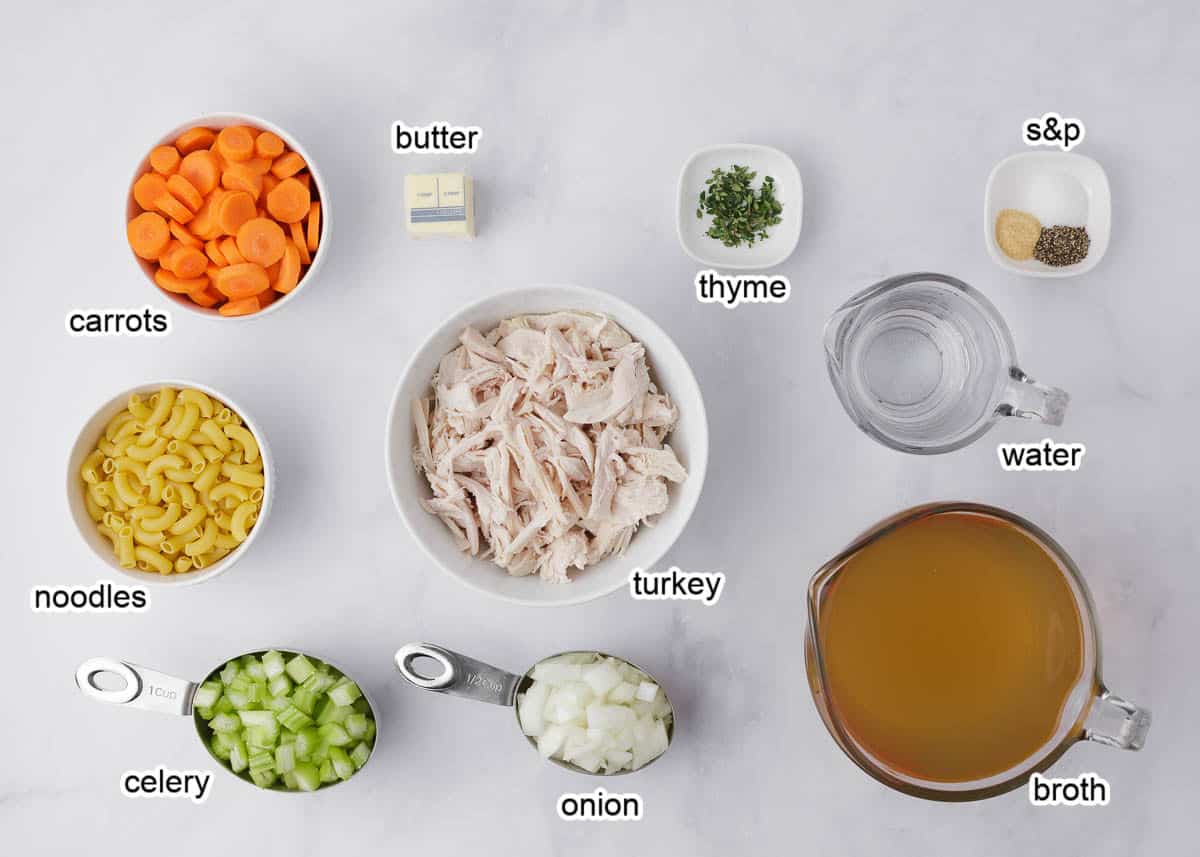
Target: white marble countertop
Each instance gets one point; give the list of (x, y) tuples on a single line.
[(895, 117)]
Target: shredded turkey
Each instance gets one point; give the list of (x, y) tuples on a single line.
[(543, 441)]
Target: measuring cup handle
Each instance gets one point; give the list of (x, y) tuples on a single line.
[(1027, 399), (1116, 722), (144, 688), (458, 675)]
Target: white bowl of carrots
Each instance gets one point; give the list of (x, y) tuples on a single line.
[(228, 216)]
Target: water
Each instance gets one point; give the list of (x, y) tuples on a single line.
[(920, 364)]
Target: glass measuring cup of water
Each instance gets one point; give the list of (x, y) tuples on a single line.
[(924, 363)]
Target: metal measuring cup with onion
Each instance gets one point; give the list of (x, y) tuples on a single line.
[(575, 719)]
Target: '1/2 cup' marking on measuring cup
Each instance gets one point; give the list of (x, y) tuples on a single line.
[(480, 681), (1084, 790), (600, 806)]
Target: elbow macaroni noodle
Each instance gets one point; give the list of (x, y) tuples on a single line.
[(176, 482)]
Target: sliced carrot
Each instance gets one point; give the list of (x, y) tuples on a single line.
[(287, 164), (301, 244), (267, 298), (261, 166), (167, 258), (173, 208), (235, 209), (261, 240), (268, 145), (273, 271), (184, 191), (164, 160), (193, 139), (241, 177), (289, 270), (242, 281), (204, 225), (289, 201), (178, 285), (203, 298), (314, 226), (269, 183), (183, 236), (236, 143), (246, 306), (229, 249), (148, 235), (200, 168), (147, 190), (188, 263), (304, 179), (213, 250)]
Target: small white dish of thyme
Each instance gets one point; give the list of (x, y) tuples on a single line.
[(749, 216)]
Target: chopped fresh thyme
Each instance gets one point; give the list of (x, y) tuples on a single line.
[(739, 213)]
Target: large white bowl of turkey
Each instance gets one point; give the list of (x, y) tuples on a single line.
[(638, 449)]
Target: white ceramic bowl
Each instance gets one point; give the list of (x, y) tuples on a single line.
[(224, 120), (101, 547), (781, 239), (668, 369), (1044, 184)]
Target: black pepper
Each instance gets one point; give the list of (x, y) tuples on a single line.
[(1058, 246)]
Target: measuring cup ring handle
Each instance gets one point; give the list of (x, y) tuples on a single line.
[(85, 678), (405, 656)]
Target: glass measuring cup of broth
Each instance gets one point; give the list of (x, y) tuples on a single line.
[(952, 652), (925, 364)]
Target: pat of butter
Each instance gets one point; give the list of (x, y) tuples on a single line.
[(441, 204)]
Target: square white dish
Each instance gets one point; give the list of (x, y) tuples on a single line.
[(1036, 182), (781, 239)]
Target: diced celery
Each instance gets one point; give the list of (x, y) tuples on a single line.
[(205, 713), (327, 774), (356, 725), (306, 741), (273, 665), (225, 723), (334, 735), (321, 752), (319, 682), (289, 780), (264, 778), (224, 706), (241, 683), (262, 760), (280, 685), (307, 776), (285, 758), (256, 692), (219, 749), (293, 718), (360, 754), (207, 694), (287, 737), (230, 673), (334, 713), (262, 739), (305, 700), (239, 698), (300, 668), (362, 706), (342, 766), (239, 757), (278, 703), (225, 740), (320, 705), (262, 719), (370, 736), (254, 668), (344, 692)]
